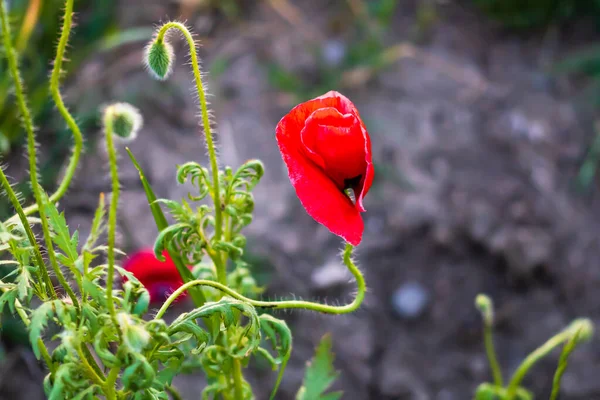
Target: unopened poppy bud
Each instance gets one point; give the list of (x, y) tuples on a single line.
[(159, 58), (125, 120)]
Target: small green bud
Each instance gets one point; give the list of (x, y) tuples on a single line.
[(584, 326), (159, 58), (486, 307), (126, 120), (134, 335)]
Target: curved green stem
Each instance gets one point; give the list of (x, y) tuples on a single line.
[(491, 354), (212, 154), (562, 364), (112, 214), (28, 124), (533, 358), (285, 304), (60, 105)]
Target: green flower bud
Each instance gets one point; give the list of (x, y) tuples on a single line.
[(135, 336), (159, 58), (485, 306), (584, 326), (126, 120)]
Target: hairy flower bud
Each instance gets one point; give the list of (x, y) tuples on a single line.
[(159, 58), (125, 120)]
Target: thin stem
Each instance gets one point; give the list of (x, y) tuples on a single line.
[(238, 380), (41, 270), (88, 368), (112, 214), (92, 360), (286, 304), (280, 374), (28, 124), (533, 358), (212, 154), (491, 354), (173, 392), (60, 105), (110, 384), (562, 363)]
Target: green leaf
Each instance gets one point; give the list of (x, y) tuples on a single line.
[(60, 232), (98, 224), (225, 308), (39, 321), (320, 374), (278, 333)]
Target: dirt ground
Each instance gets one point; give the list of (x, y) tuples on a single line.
[(476, 147)]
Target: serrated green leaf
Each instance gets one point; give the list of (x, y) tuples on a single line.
[(224, 309), (320, 374), (98, 224), (60, 232), (39, 321)]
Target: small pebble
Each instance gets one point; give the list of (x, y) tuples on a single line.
[(333, 52), (410, 300), (329, 275)]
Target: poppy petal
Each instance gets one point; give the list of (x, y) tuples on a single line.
[(319, 195)]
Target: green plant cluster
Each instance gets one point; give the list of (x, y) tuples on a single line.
[(97, 338)]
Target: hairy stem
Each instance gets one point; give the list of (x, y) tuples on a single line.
[(31, 149), (60, 105), (212, 154), (285, 304), (112, 214)]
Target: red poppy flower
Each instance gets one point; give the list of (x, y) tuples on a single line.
[(160, 278), (327, 150)]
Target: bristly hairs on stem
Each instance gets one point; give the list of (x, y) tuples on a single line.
[(40, 197), (159, 59), (286, 304), (60, 105), (123, 120)]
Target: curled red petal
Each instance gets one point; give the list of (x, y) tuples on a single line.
[(318, 193)]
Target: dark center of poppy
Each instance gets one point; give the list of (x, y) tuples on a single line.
[(336, 143)]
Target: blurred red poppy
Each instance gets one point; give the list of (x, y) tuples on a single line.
[(160, 278), (327, 150)]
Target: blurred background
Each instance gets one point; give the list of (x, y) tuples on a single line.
[(482, 117)]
